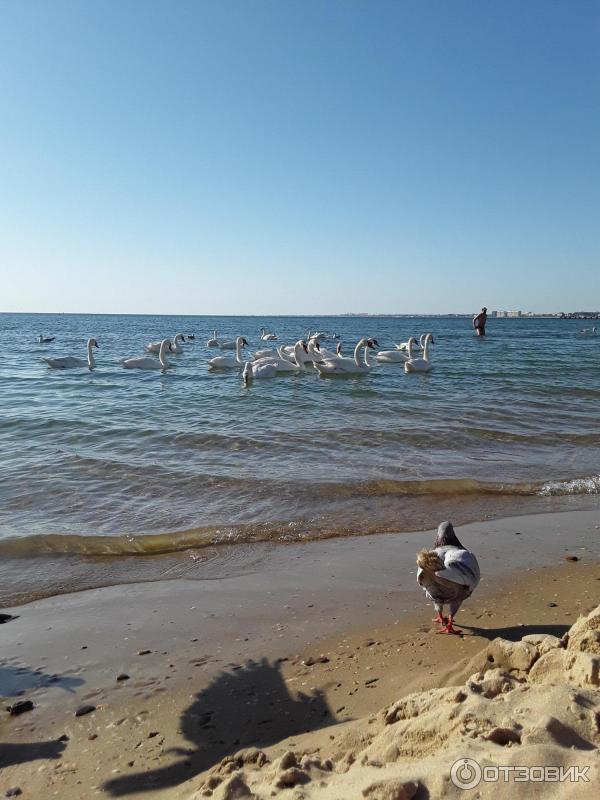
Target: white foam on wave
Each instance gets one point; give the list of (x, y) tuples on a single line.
[(587, 485)]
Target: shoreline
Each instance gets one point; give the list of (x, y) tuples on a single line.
[(197, 648), (97, 562)]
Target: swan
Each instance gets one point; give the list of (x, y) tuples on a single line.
[(230, 345), (146, 362), (283, 364), (583, 332), (45, 339), (154, 347), (420, 364), (214, 342), (267, 337), (404, 345), (191, 336), (330, 355), (397, 356), (70, 362), (349, 366), (252, 370), (230, 362), (268, 352)]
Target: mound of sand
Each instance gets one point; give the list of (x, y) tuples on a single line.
[(532, 703)]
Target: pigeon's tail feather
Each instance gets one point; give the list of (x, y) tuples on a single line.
[(429, 560)]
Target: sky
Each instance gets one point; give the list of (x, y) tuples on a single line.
[(299, 156)]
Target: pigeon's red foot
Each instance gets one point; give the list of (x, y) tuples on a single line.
[(439, 618), (449, 627)]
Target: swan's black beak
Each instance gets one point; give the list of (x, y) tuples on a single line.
[(317, 347), (244, 343), (432, 340), (372, 343), (304, 347)]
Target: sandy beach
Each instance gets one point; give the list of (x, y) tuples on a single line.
[(297, 654)]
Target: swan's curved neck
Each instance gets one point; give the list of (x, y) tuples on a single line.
[(366, 356), (298, 352), (162, 356), (357, 350), (90, 355), (426, 348), (410, 347), (238, 351)]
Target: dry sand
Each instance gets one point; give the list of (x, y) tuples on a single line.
[(230, 667)]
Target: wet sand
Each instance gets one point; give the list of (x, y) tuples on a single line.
[(229, 661)]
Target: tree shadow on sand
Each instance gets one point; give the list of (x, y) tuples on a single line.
[(249, 707), (15, 680), (516, 632), (21, 753)]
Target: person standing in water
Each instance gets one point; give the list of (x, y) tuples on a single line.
[(479, 321)]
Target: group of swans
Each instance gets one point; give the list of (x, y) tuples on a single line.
[(411, 363), (271, 362), (142, 362), (337, 364), (154, 347), (325, 362)]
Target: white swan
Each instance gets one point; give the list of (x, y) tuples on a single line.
[(582, 332), (268, 352), (397, 356), (214, 342), (70, 362), (230, 362), (252, 370), (230, 345), (148, 363), (330, 355), (349, 366), (421, 344), (267, 337), (45, 339), (420, 364), (154, 347), (283, 364)]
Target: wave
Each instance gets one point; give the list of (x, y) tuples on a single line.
[(285, 531), (587, 485)]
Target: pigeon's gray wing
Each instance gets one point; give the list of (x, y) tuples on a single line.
[(460, 566)]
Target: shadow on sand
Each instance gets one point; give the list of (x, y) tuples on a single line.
[(516, 632), (16, 680), (22, 753), (249, 707)]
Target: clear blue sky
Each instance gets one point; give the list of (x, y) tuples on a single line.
[(283, 156)]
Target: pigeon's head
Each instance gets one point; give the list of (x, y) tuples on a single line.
[(446, 536)]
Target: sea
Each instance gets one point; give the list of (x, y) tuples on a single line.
[(110, 475)]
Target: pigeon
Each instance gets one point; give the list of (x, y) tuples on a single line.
[(448, 574)]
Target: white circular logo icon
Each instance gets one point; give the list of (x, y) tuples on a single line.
[(465, 773)]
